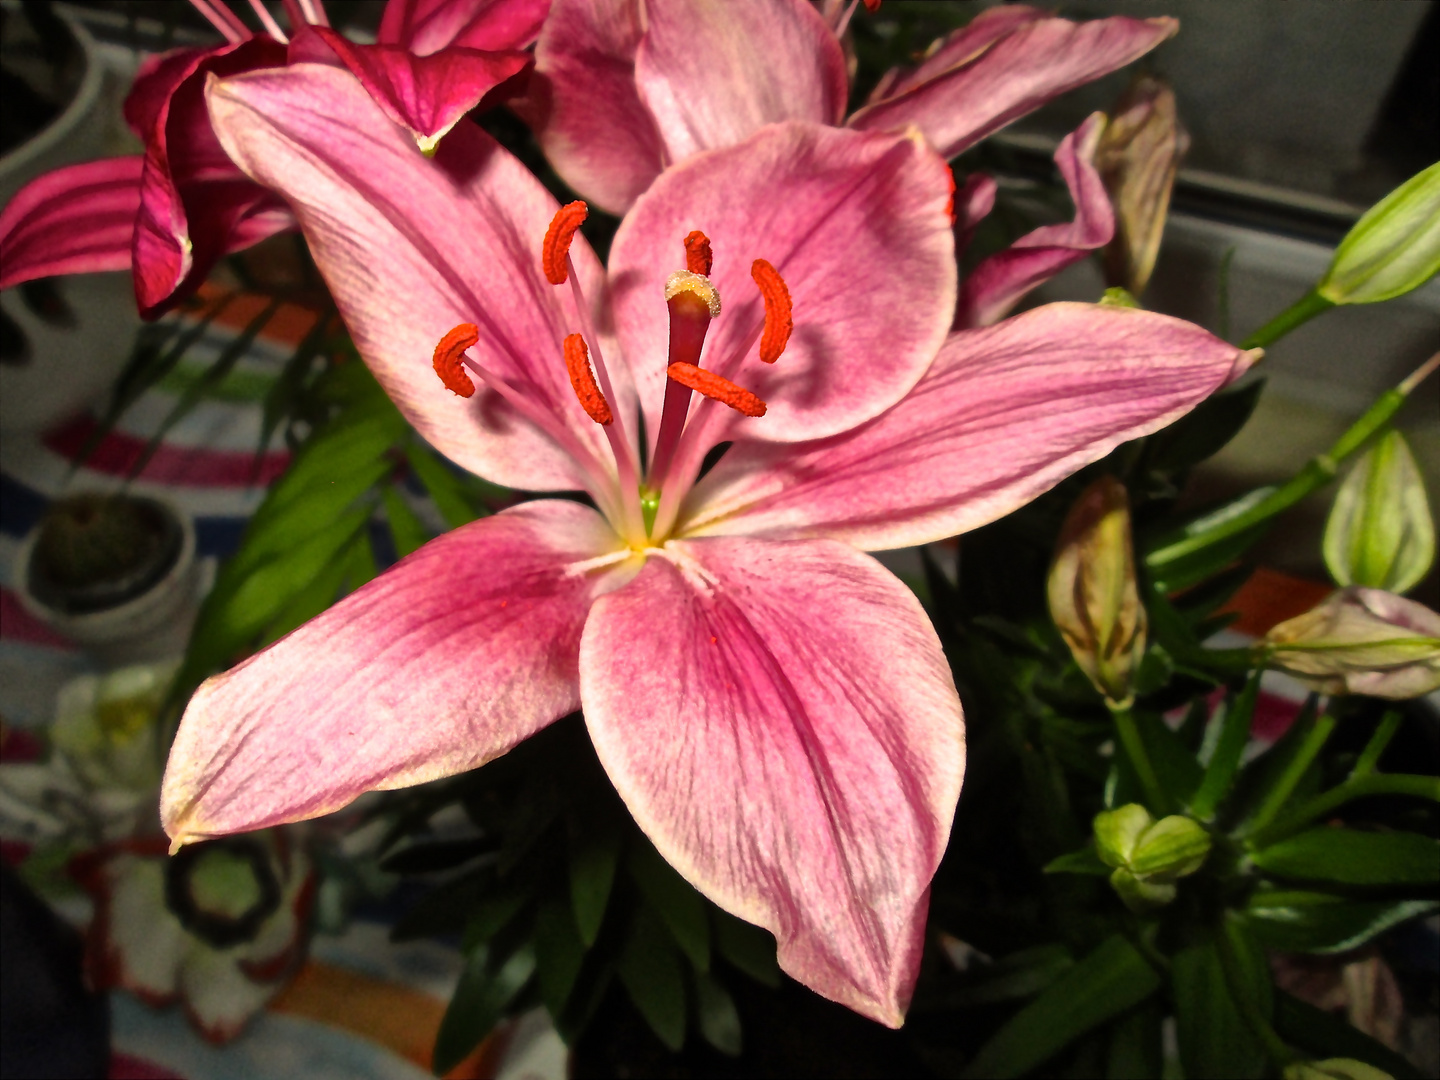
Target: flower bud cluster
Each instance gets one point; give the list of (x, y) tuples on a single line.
[(1148, 856)]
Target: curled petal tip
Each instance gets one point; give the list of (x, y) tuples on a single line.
[(1247, 359)]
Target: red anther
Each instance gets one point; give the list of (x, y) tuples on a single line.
[(557, 240), (872, 6), (698, 259), (717, 388), (577, 362), (950, 202), (448, 355), (778, 322)]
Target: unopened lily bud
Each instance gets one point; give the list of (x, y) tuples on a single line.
[(1138, 156), (1174, 847), (1334, 1069), (1148, 856), (1380, 533), (1393, 248), (1361, 641), (1092, 592), (1118, 830)]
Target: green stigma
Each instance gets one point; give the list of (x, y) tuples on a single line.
[(649, 504)]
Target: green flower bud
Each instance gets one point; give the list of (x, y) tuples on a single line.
[(1174, 847), (1137, 157), (1118, 830), (1394, 248), (1334, 1069), (1380, 533), (1092, 592), (1361, 641), (1141, 894), (1148, 855)]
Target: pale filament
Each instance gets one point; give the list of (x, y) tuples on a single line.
[(268, 21), (223, 19)]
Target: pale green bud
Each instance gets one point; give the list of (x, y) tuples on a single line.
[(1118, 830), (1148, 855), (1092, 592), (1141, 894), (1380, 533), (1334, 1069), (1394, 248), (1361, 641), (1174, 847)]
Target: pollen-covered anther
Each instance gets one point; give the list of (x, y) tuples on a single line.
[(577, 363), (449, 355), (778, 321), (717, 388), (698, 259), (557, 241), (698, 284)]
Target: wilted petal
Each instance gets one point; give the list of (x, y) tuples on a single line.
[(584, 106), (425, 94), (439, 665), (999, 283), (75, 220), (411, 248), (801, 772), (972, 96), (1006, 413), (858, 226), (713, 72), (427, 26)]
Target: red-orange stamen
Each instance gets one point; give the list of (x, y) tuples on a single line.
[(698, 259), (577, 362), (872, 6), (448, 355), (716, 388), (778, 322), (557, 240)]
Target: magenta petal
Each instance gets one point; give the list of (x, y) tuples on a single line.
[(1039, 59), (973, 203), (801, 772), (74, 220), (963, 45), (1007, 412), (426, 94), (858, 225), (998, 283), (440, 664), (584, 106), (714, 73), (411, 248), (427, 26)]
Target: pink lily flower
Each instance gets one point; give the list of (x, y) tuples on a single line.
[(772, 705), (173, 212), (621, 90)]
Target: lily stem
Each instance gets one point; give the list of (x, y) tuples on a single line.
[(1310, 747), (1297, 314), (1421, 787), (1135, 750)]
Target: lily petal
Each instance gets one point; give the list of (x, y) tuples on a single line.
[(824, 206), (427, 26), (1006, 413), (584, 106), (957, 48), (75, 220), (1002, 280), (802, 773), (411, 248), (437, 666), (962, 97), (425, 94), (714, 72)]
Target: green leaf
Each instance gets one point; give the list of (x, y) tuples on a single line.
[(1084, 861), (675, 899), (429, 856), (719, 1019), (1315, 922), (1234, 733), (446, 909), (593, 858), (1213, 1035), (309, 599), (1326, 1036), (749, 948), (1175, 766), (405, 528), (1022, 974), (444, 487), (479, 1002), (1136, 1049), (494, 911), (559, 953), (1203, 431), (1112, 979), (1352, 857), (649, 967)]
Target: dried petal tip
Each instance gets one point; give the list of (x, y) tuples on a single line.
[(717, 388), (557, 240), (698, 259), (449, 354), (691, 282), (577, 363), (778, 322)]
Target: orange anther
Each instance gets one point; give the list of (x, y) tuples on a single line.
[(577, 362), (778, 322), (717, 388), (872, 6), (448, 356), (698, 259), (557, 240)]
